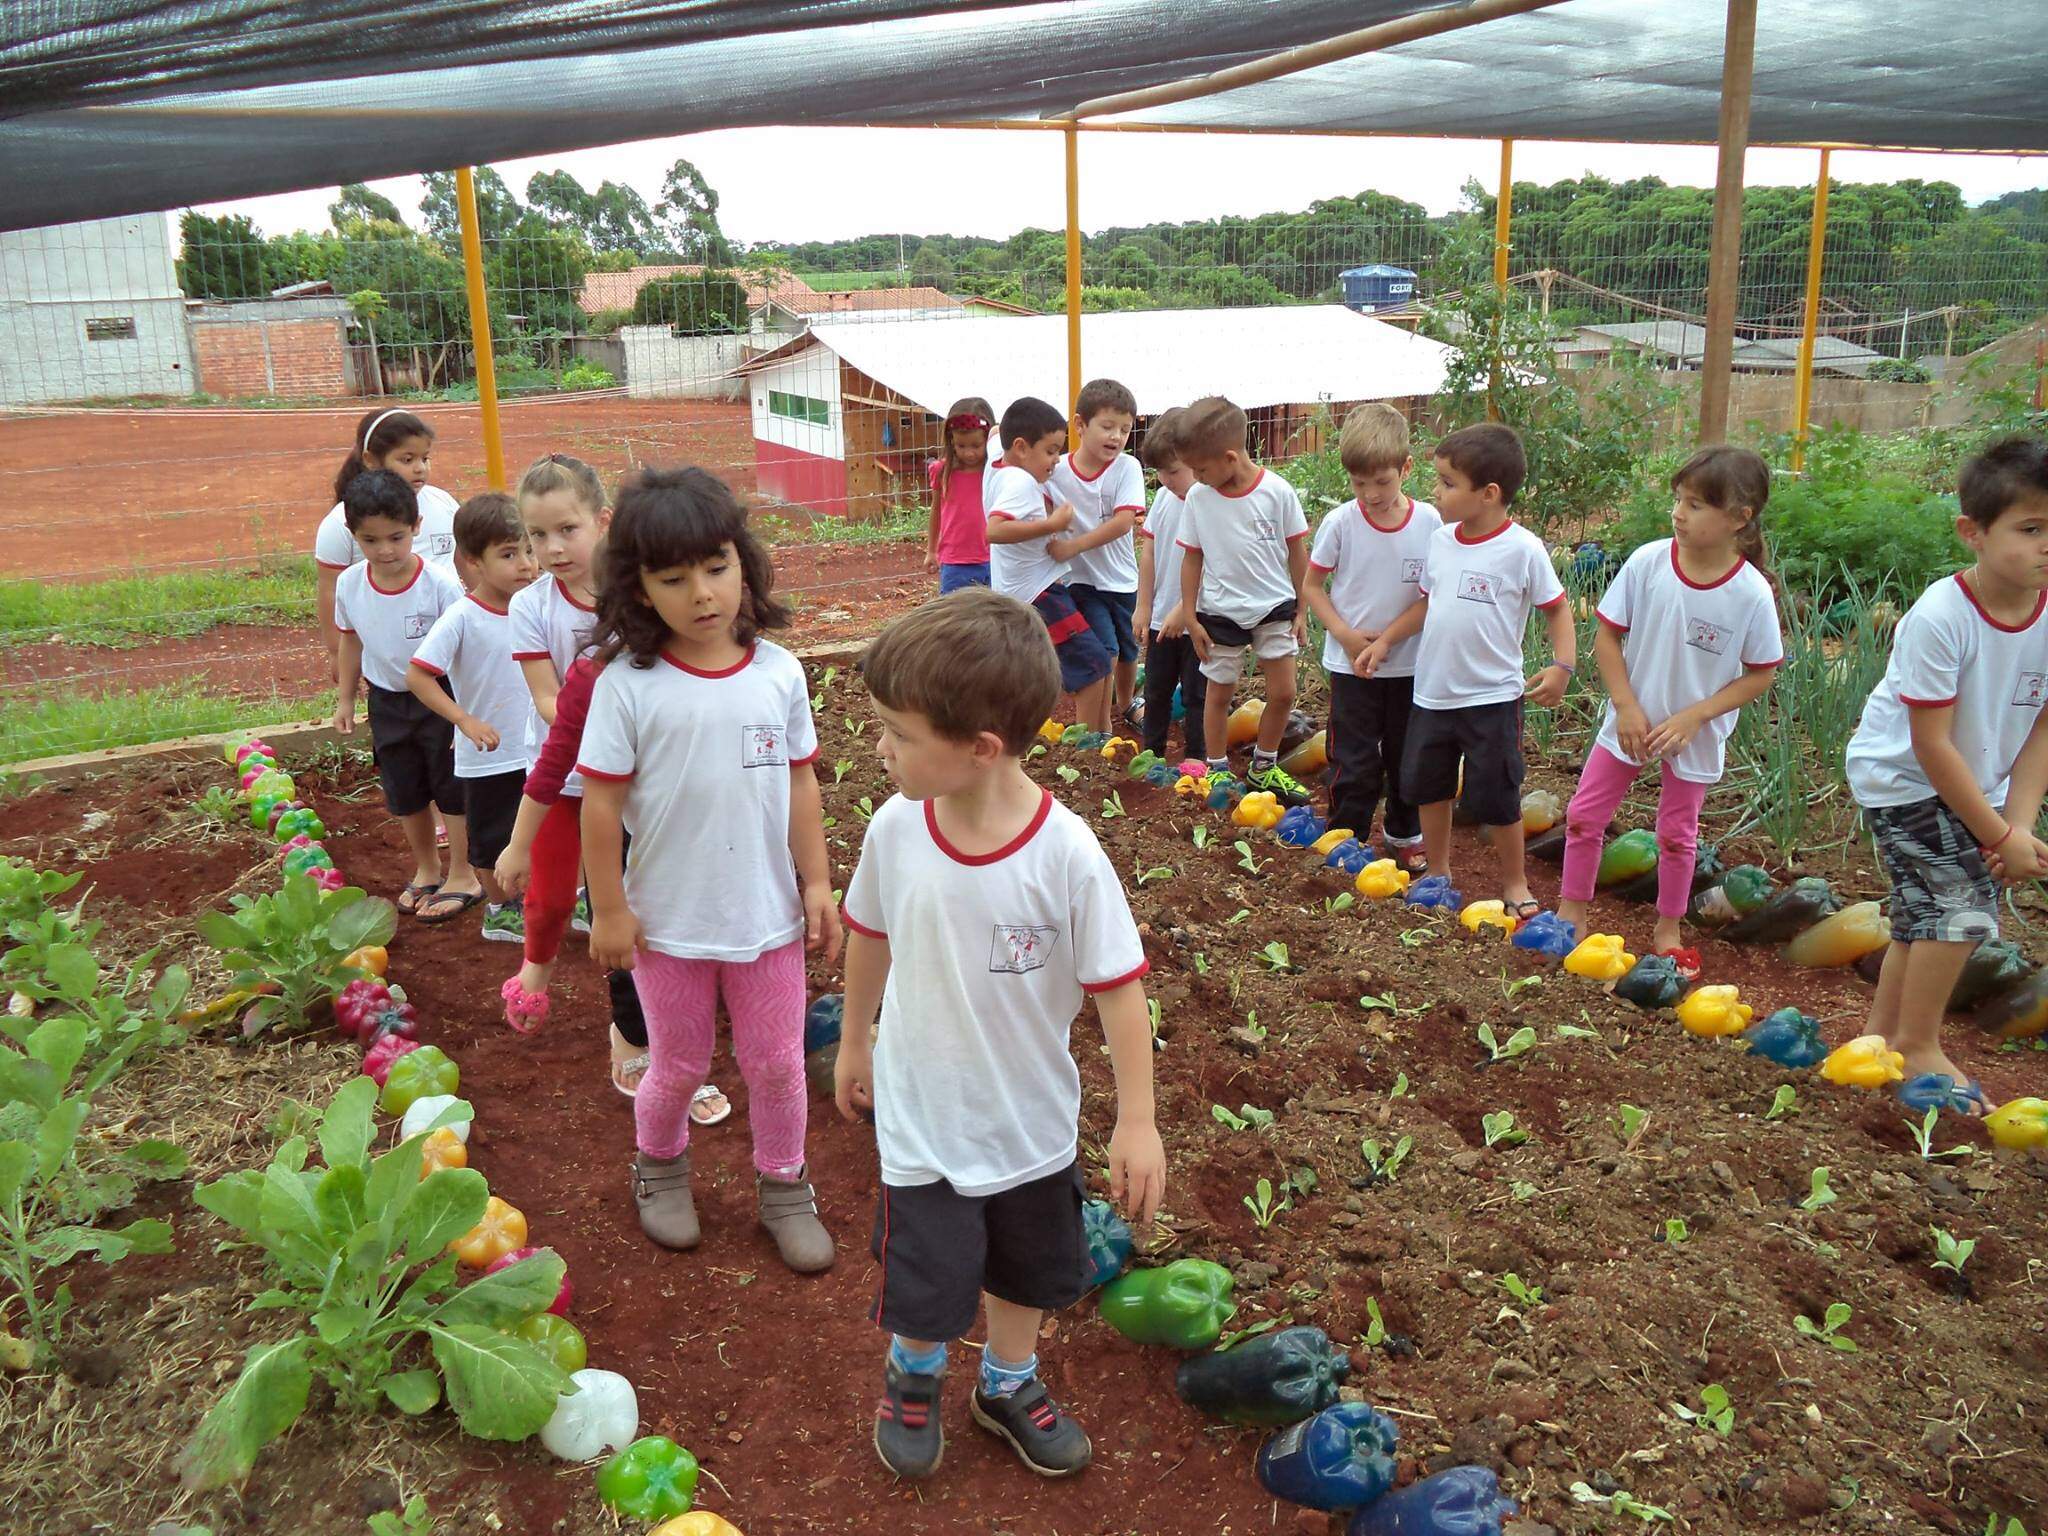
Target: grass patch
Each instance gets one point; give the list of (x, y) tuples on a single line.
[(849, 282), (133, 610), (59, 724), (893, 527)]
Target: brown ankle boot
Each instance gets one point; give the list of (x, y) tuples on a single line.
[(661, 1192), (789, 1210)]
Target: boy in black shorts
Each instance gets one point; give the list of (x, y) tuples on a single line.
[(982, 914)]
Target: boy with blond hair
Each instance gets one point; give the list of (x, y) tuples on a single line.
[(1106, 488), (1365, 572), (1245, 560)]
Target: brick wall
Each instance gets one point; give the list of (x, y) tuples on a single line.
[(291, 358)]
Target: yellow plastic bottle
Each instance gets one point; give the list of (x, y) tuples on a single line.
[(1713, 1011), (1865, 1062), (1601, 957), (1380, 879), (1843, 938), (1331, 839), (1051, 732), (1260, 809), (2019, 1123), (1540, 812), (1488, 914), (1244, 722), (1311, 757)]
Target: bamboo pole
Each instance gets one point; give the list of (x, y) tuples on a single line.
[(1502, 204), (480, 327), (1809, 324), (1073, 140), (1724, 260)]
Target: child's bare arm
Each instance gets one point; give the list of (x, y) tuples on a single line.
[(1672, 735), (1190, 598), (1409, 623), (324, 578), (348, 677), (1022, 530), (1137, 1160), (543, 684), (1145, 580), (425, 687), (813, 863), (515, 864), (867, 971), (1547, 687), (616, 936)]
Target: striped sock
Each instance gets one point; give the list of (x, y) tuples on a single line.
[(999, 1378), (913, 1363)]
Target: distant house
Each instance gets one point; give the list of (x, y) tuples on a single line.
[(292, 345), (788, 315), (92, 309), (617, 290), (846, 415), (977, 305), (1680, 344)]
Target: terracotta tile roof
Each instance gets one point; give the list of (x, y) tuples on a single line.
[(863, 299), (617, 290)]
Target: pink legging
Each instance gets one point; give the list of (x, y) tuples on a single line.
[(1601, 786), (764, 999)]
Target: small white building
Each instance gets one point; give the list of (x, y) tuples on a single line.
[(92, 309), (846, 416)]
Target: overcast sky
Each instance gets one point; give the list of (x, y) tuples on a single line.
[(834, 183)]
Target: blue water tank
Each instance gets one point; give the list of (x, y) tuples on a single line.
[(1378, 286)]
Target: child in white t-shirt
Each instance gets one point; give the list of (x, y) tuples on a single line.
[(1483, 574), (1688, 635), (1244, 542), (1170, 661), (982, 915), (1366, 571), (1106, 488), (383, 608), (402, 443), (469, 649), (700, 744), (1950, 761)]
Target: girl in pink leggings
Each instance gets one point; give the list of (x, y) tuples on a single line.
[(1688, 634), (699, 741)]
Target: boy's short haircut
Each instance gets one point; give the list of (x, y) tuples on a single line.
[(1161, 447), (2002, 476), (379, 493), (1099, 395), (1032, 419), (1487, 454), (969, 662), (486, 520), (1375, 437), (1212, 427)]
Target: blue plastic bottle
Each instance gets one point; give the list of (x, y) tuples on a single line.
[(1340, 1459), (822, 1021), (1459, 1501), (1109, 1241), (1435, 891), (1788, 1037), (1546, 934), (1350, 856), (1300, 827), (1937, 1090)]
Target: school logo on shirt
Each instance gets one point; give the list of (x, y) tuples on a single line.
[(1706, 635), (1021, 947), (1411, 572), (2032, 692), (417, 625), (1265, 527), (764, 746), (442, 544), (1477, 587)]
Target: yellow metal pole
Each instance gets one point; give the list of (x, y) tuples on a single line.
[(1802, 389), (1073, 268), (480, 327), (1502, 204)]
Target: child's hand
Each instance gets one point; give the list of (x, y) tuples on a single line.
[(821, 923), (1060, 519), (480, 734), (1137, 1171), (1632, 726), (853, 1088), (345, 717), (616, 939), (931, 558), (1546, 688), (1372, 657), (514, 868), (2021, 856), (1673, 734), (1199, 637), (1174, 625), (1300, 626)]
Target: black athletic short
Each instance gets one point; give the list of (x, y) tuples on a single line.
[(1942, 885), (415, 751), (1487, 738), (940, 1249), (489, 807)]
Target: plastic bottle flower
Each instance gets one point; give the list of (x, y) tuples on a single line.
[(1380, 879), (1488, 914), (1714, 1011), (1865, 1062), (1601, 957)]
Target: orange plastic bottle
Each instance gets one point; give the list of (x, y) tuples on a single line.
[(1311, 757), (1244, 722)]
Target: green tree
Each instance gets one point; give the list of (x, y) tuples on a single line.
[(688, 215), (614, 218), (694, 304), (931, 266), (497, 210), (357, 204), (535, 270), (221, 256)]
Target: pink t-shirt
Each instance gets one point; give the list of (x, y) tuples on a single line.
[(963, 525)]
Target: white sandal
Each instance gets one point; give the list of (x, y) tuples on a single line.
[(702, 1100), (627, 1072)]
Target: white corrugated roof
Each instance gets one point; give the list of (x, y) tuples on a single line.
[(1286, 355)]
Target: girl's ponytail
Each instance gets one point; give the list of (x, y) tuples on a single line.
[(1729, 478), (377, 434)]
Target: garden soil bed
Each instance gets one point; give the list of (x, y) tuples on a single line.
[(771, 1378)]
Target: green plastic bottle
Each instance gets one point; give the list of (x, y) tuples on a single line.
[(1793, 910), (1183, 1304), (1629, 855)]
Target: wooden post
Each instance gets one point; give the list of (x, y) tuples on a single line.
[(1802, 386), (1502, 203), (480, 327), (1073, 137), (1724, 261)]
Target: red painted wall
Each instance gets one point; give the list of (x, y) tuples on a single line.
[(807, 479)]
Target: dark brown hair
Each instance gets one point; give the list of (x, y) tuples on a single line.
[(1732, 479), (1161, 446), (969, 405), (1998, 479), (378, 493), (1212, 427), (376, 435), (486, 520), (1487, 453), (1099, 395), (663, 518), (969, 662)]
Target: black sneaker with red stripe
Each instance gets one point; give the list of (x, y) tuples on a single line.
[(907, 1433), (1044, 1438)]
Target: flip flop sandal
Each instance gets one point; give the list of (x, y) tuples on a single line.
[(525, 1011), (1686, 959), (701, 1112), (1521, 911), (414, 894), (626, 1074), (463, 900), (1411, 860)]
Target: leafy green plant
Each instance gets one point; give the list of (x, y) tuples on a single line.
[(26, 892), (48, 1202), (1521, 1041), (1415, 938), (1302, 1181), (1784, 1102), (1264, 1207), (864, 808), (1715, 1410), (1249, 1117), (2012, 1526), (1923, 1137), (220, 805), (413, 1520), (131, 1008), (1576, 1032), (1152, 1014), (1237, 1336), (1621, 1501), (1237, 917), (1376, 1327), (1200, 962), (1343, 901), (1387, 1165), (1252, 1026), (1675, 1230), (1156, 872), (841, 769), (1525, 1295), (1400, 1088), (1201, 837), (1113, 807), (1245, 860), (295, 940), (818, 698), (1952, 1253), (1276, 957), (1630, 1122), (1500, 1130), (1068, 772), (1820, 1194), (359, 1248), (1512, 988), (1829, 1331)]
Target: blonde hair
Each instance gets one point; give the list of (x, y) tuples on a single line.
[(1212, 427), (969, 662), (553, 472), (1375, 437)]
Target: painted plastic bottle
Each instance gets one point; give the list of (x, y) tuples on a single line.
[(1459, 1501), (1842, 938), (1793, 910), (1109, 1241), (2022, 1013), (1274, 1379), (1342, 1458), (1789, 1038), (1243, 726), (1994, 968), (1540, 812), (822, 1021), (1299, 827), (1629, 855), (1349, 857), (1651, 983), (1310, 758), (1548, 935), (1183, 1304)]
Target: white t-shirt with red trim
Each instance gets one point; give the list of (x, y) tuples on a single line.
[(1682, 643), (1111, 567), (1948, 650), (1025, 569), (1480, 593), (545, 621), (1161, 529), (990, 957), (336, 548), (1243, 540), (706, 757), (391, 625), (1375, 576), (471, 646)]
